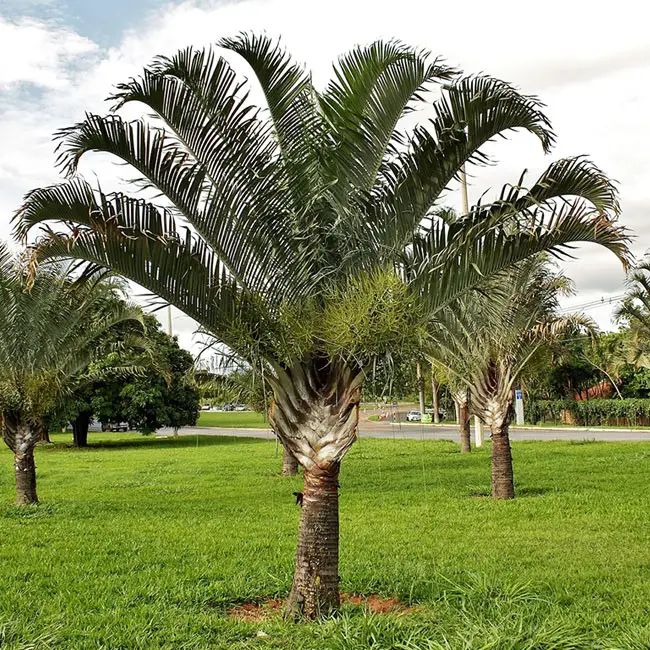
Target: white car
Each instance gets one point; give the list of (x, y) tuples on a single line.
[(413, 416)]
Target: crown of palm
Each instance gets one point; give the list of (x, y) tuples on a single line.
[(266, 210), (50, 328)]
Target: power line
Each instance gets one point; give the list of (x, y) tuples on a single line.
[(592, 304)]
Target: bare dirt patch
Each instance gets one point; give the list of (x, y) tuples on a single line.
[(257, 612), (254, 612)]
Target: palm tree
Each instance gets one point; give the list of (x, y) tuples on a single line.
[(635, 312), (461, 396), (49, 330), (303, 235), (488, 344)]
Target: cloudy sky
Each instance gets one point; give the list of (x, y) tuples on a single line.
[(589, 62)]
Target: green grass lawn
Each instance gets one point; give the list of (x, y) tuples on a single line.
[(234, 419), (145, 543)]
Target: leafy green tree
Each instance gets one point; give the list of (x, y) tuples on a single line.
[(51, 329), (315, 246), (161, 393)]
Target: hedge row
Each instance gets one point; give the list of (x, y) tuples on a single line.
[(591, 412)]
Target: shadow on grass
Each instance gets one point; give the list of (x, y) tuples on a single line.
[(520, 492), (150, 442)]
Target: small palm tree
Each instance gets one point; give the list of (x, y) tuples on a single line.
[(488, 344), (49, 331), (304, 235), (635, 312)]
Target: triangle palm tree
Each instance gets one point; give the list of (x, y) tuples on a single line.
[(303, 235), (488, 343), (50, 331)]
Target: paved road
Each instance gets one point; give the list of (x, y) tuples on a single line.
[(415, 432)]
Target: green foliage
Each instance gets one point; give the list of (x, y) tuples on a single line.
[(53, 326), (591, 412), (162, 394), (147, 544), (316, 228)]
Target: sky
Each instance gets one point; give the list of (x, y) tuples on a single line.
[(589, 62)]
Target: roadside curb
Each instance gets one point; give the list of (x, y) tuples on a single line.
[(515, 428)]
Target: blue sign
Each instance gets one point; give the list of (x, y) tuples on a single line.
[(519, 394)]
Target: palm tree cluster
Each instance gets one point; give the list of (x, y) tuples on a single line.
[(50, 330), (305, 235), (487, 340)]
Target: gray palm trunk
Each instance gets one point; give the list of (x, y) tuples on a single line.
[(462, 400), (21, 437), (289, 463), (492, 395), (316, 416)]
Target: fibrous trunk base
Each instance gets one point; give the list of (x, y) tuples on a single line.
[(503, 486), (465, 434), (25, 478), (315, 589), (289, 463)]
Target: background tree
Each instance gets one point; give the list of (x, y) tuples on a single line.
[(634, 311), (315, 247), (161, 394), (50, 331), (489, 343)]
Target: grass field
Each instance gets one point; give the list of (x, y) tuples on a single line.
[(145, 543), (234, 419)]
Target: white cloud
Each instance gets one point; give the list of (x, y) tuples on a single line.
[(37, 53), (588, 66)]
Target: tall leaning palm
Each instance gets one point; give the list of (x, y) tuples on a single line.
[(304, 235), (488, 343), (50, 329)]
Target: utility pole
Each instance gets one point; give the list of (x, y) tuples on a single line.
[(434, 395), (463, 190), (169, 320), (420, 386)]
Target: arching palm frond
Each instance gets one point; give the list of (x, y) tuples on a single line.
[(634, 310)]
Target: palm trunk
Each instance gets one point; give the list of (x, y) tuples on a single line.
[(25, 478), (315, 589), (80, 427), (289, 463), (316, 416), (21, 437), (43, 433), (464, 427), (503, 486)]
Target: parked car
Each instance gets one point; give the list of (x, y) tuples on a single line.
[(115, 426), (228, 407), (240, 407), (413, 416), (441, 413), (205, 407)]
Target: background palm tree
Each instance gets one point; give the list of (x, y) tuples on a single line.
[(50, 328), (635, 311), (488, 343), (304, 236)]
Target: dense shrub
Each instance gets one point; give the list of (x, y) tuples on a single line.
[(590, 412)]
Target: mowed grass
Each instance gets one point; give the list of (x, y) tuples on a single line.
[(232, 419), (145, 543)]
